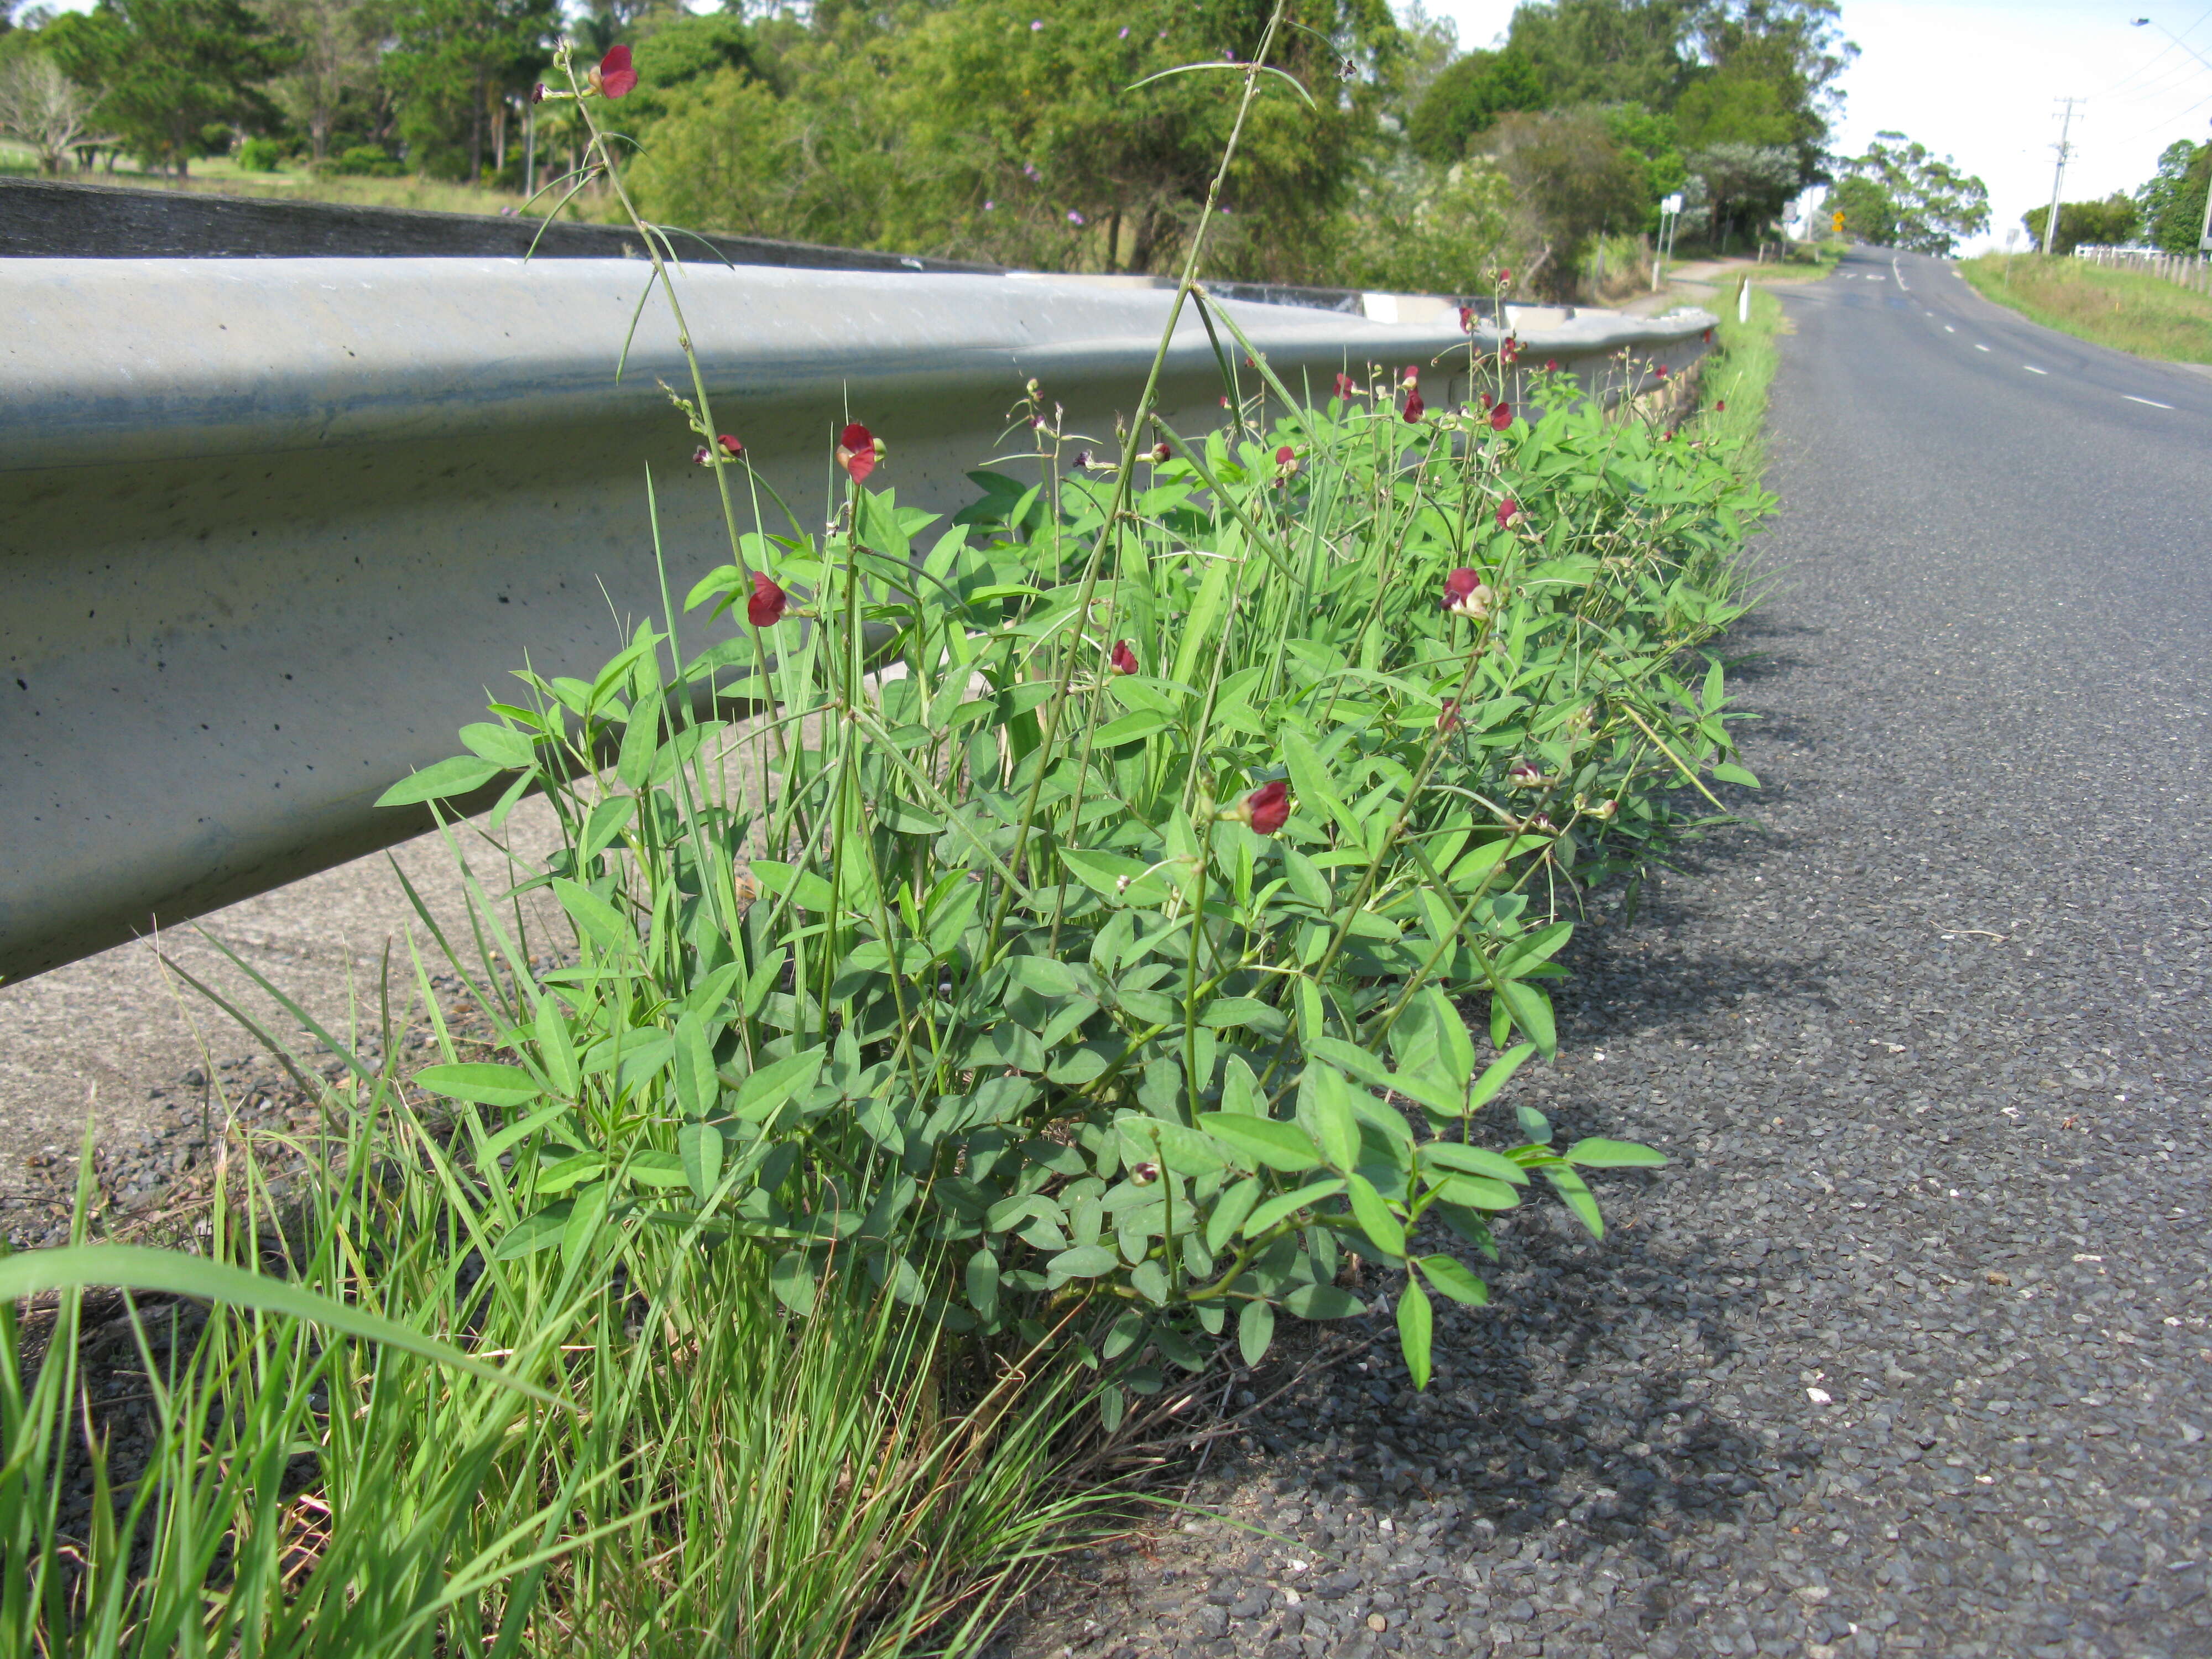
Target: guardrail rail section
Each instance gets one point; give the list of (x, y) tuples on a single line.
[(273, 529)]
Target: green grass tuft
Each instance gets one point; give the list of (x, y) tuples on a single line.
[(2127, 310)]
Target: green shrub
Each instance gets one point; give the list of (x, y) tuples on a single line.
[(260, 155), (367, 161), (1027, 990)]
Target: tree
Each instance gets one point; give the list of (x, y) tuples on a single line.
[(2107, 223), (44, 108), (338, 43), (1606, 51), (1771, 75), (1737, 186), (1473, 92), (178, 75), (1900, 194), (454, 64), (1412, 227), (1572, 181), (2172, 204)]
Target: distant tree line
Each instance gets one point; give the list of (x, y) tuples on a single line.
[(1015, 130), (2166, 211)]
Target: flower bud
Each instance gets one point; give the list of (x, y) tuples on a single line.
[(1501, 417), (1265, 811), (858, 451), (1414, 407), (1346, 387), (1287, 462), (1525, 774), (1161, 451), (1123, 659), (768, 602), (1143, 1175), (1507, 511)]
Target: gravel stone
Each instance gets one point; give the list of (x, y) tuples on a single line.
[(1906, 1351)]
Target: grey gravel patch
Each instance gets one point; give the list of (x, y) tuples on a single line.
[(1907, 1352)]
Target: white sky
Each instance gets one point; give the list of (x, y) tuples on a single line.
[(1979, 80)]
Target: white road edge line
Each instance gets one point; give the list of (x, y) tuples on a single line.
[(1897, 271), (2032, 369), (2152, 402), (1979, 347), (1947, 329)]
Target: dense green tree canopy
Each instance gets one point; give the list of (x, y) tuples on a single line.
[(2172, 204), (1901, 194), (176, 75), (2107, 223), (1468, 97)]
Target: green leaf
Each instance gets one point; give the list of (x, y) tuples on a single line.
[(982, 1282), (502, 745), (595, 919), (1533, 1124), (698, 1088), (1229, 1212), (539, 1230), (656, 1169), (1324, 1111), (1472, 1160), (1576, 1193), (1497, 1073), (792, 1278), (1599, 1154), (1452, 1278), (1322, 1302), (137, 1268), (1083, 1261), (1531, 949), (483, 1081), (1417, 1321), (1130, 728), (1255, 1330), (766, 1090), (1729, 772), (808, 890), (1240, 1090), (1277, 1145), (1285, 1204), (1124, 880), (1476, 1193), (1531, 1010), (1384, 1229), (456, 776), (700, 1146)]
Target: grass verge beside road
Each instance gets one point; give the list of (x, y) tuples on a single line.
[(2126, 310)]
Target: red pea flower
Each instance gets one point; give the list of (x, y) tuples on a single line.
[(1160, 451), (1346, 387), (1465, 593), (1286, 461), (731, 447), (702, 456), (1508, 349), (1412, 378), (1466, 319), (1708, 337), (614, 77), (766, 607), (858, 451), (1414, 407), (1268, 808), (1663, 371), (1508, 510), (1551, 365), (1525, 774), (1122, 658), (1447, 716), (1504, 278), (537, 93), (1483, 399), (1501, 417), (1720, 406)]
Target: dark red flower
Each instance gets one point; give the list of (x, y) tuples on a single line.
[(768, 602), (1414, 408), (537, 93), (1346, 388), (1508, 510), (1447, 716), (731, 447), (1708, 337), (1123, 659), (1268, 808), (703, 456), (1466, 319), (1509, 351), (1483, 399), (1160, 451), (1551, 365), (1501, 417), (1286, 461), (1411, 378), (1663, 371), (1720, 406), (1504, 278), (1465, 594), (614, 77), (1525, 774), (858, 451)]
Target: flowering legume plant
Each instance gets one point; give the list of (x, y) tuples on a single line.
[(1075, 932)]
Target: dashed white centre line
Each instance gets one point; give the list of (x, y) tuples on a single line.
[(2152, 402), (1979, 347), (1947, 329), (2032, 369)]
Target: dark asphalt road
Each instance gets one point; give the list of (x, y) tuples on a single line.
[(1907, 1353)]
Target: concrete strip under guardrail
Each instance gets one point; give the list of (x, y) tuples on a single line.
[(272, 530)]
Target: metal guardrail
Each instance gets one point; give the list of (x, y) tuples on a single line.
[(272, 529)]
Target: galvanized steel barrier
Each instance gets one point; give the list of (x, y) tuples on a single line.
[(272, 529)]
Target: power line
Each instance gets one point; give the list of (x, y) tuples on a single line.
[(2065, 149)]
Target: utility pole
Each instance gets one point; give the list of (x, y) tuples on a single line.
[(2058, 177)]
